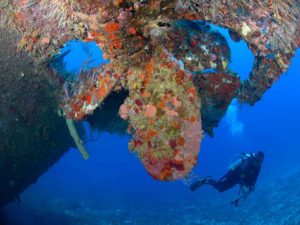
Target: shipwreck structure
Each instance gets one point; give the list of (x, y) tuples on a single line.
[(165, 58)]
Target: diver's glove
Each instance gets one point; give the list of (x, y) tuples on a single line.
[(199, 183)]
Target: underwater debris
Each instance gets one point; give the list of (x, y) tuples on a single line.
[(174, 68)]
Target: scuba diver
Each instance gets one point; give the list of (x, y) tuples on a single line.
[(243, 171)]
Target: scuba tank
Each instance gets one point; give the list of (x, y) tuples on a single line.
[(242, 158)]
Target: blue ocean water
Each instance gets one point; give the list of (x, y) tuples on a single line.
[(112, 187)]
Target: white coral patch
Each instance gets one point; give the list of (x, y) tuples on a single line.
[(245, 29)]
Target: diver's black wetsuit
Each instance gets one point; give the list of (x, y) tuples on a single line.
[(246, 175), (244, 172)]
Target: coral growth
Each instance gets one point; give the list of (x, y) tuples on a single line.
[(169, 63), (164, 122)]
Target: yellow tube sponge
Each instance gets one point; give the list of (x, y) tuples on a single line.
[(72, 129)]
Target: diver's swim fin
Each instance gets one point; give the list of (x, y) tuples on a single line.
[(194, 186)]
